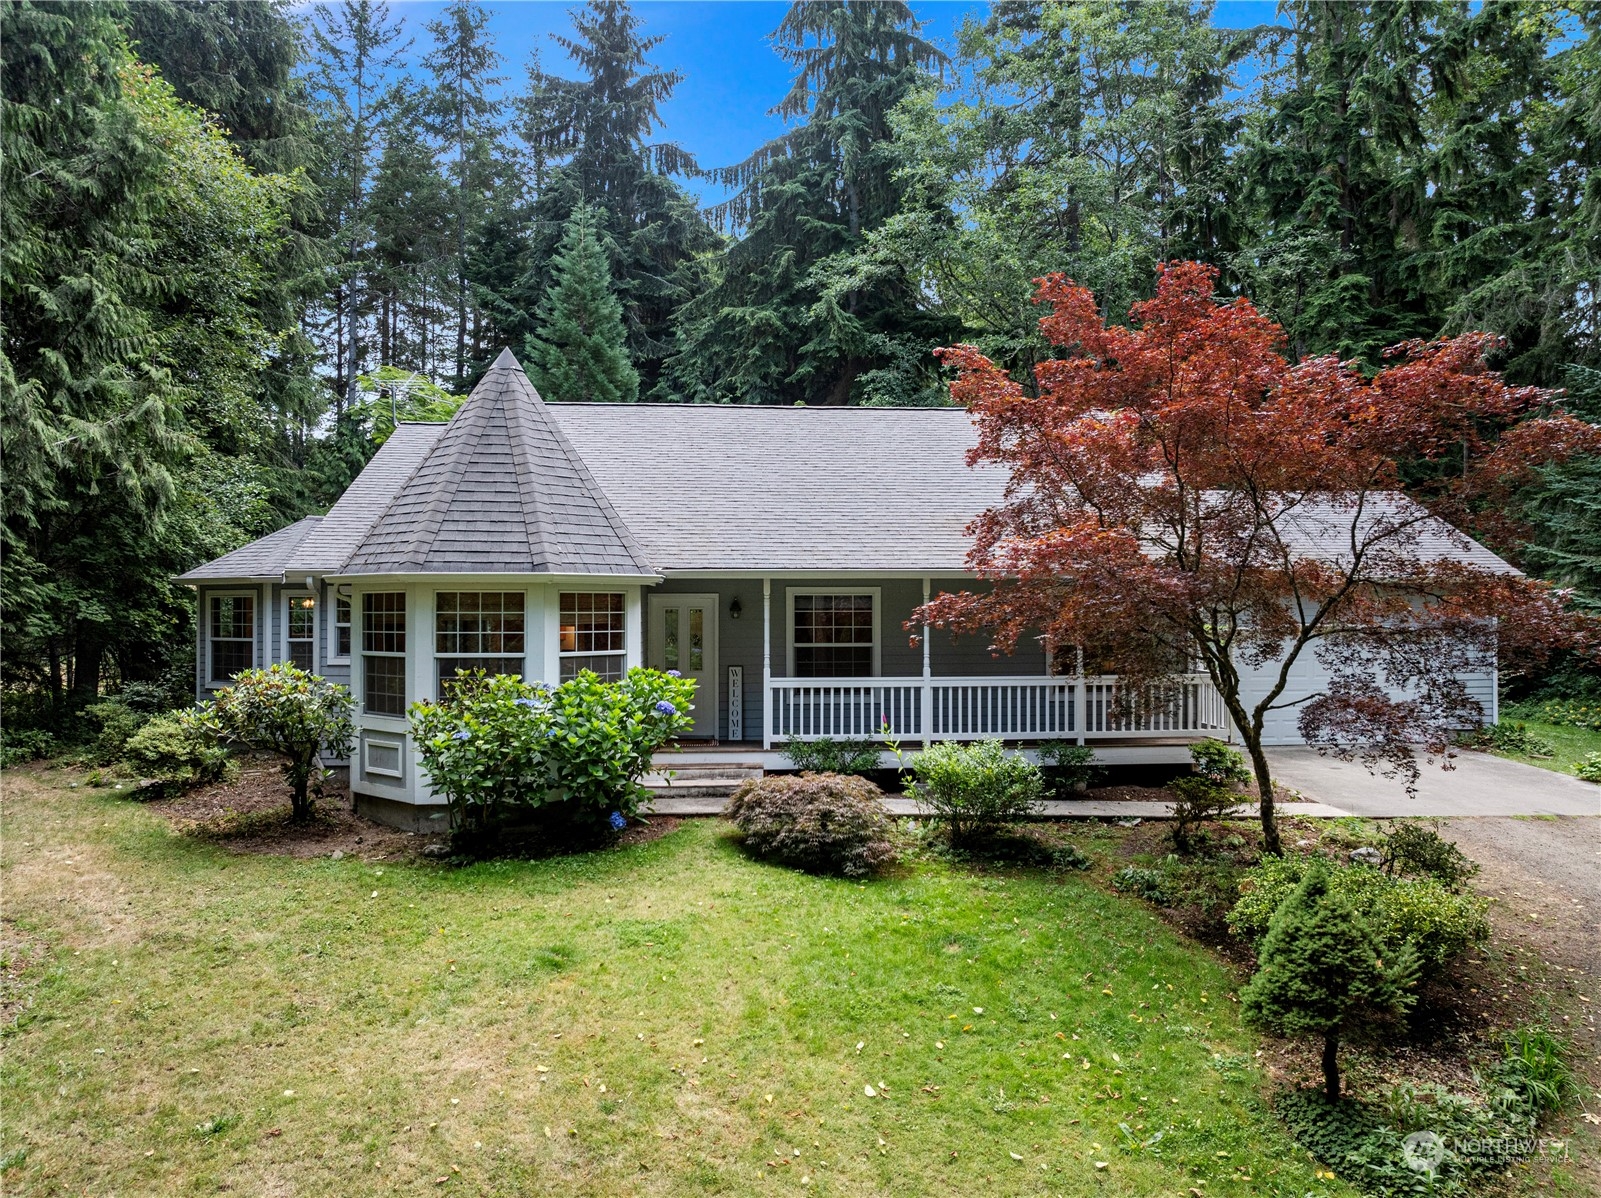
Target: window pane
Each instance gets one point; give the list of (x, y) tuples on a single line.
[(608, 665), (833, 661), (591, 623), (229, 657), (697, 639), (448, 666), (383, 622), (385, 679), (341, 627), (300, 654), (670, 640), (302, 619), (474, 622), (233, 617)]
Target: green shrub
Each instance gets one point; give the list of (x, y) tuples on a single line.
[(1148, 884), (174, 751), (1411, 847), (974, 789), (828, 756), (1069, 856), (27, 744), (1198, 799), (1535, 1072), (1068, 768), (1417, 911), (558, 766), (117, 722), (1322, 973), (284, 710), (1571, 713), (1509, 736), (1589, 770), (826, 823), (1219, 763)]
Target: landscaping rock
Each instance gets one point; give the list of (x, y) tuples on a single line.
[(1366, 856), (337, 854), (435, 850)]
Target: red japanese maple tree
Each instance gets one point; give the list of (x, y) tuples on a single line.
[(1183, 496)]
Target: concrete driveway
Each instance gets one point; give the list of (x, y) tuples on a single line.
[(1480, 785)]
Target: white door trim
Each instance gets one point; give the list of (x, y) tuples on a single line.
[(709, 691)]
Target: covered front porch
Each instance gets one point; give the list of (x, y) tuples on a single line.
[(832, 658)]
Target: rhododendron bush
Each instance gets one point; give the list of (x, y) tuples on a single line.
[(1183, 495)]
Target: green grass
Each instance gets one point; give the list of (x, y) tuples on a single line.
[(667, 1019), (1571, 744)]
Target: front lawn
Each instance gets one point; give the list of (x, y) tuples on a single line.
[(670, 1018), (1571, 744)]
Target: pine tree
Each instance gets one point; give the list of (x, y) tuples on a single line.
[(1321, 973), (591, 142), (765, 331), (578, 353)]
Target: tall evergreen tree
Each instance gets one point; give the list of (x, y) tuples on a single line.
[(590, 141), (359, 46), (578, 353), (765, 331), (464, 115)]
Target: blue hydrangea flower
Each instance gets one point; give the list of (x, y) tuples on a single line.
[(674, 674), (666, 708), (525, 702), (463, 734), (618, 823)]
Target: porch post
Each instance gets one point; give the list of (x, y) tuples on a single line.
[(767, 663), (1080, 705), (927, 697)]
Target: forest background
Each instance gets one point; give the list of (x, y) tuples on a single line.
[(239, 239)]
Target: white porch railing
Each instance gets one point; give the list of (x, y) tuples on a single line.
[(1030, 708)]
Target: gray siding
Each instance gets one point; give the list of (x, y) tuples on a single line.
[(740, 641)]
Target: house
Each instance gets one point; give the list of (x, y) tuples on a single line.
[(772, 554)]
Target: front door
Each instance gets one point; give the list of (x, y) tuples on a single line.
[(683, 637)]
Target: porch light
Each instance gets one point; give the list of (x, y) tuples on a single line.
[(734, 608)]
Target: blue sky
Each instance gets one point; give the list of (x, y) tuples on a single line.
[(732, 76)]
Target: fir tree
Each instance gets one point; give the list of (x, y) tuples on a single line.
[(1321, 973), (578, 352), (766, 331)]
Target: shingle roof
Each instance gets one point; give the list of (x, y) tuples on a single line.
[(263, 558), (515, 485), (345, 527), (500, 492), (710, 487)]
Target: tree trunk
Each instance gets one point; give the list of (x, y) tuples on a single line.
[(1264, 790), (1331, 1067)]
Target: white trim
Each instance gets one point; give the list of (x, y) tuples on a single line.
[(877, 595), (257, 635), (332, 656), (368, 743), (711, 658)]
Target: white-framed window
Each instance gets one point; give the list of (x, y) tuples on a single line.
[(230, 635), (341, 628), (383, 652), (592, 634), (478, 630), (300, 630), (834, 633)]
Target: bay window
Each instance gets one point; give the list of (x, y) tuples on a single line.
[(383, 652), (478, 630), (592, 635)]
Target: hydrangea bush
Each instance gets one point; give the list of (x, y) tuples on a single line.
[(557, 764)]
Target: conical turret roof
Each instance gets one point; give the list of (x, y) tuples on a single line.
[(501, 492)]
